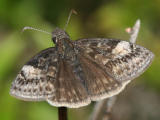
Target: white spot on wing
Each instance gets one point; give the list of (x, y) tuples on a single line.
[(88, 50), (30, 72), (122, 48), (99, 45)]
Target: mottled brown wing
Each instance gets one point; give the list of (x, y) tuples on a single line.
[(98, 83), (110, 64), (35, 81), (70, 92), (122, 60)]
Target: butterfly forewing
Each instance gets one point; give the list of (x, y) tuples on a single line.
[(36, 79), (120, 59)]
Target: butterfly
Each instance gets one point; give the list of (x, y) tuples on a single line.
[(74, 73)]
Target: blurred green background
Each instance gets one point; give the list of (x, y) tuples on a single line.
[(96, 18)]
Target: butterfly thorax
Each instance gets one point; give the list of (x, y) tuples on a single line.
[(63, 43)]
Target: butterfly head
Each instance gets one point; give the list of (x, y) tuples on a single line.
[(59, 34)]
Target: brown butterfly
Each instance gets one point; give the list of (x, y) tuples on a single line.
[(74, 73)]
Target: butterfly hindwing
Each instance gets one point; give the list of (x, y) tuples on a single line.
[(99, 84), (36, 79), (70, 92)]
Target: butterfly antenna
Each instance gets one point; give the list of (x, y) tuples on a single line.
[(69, 17), (31, 28)]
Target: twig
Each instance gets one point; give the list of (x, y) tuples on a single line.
[(134, 31), (62, 113), (102, 109)]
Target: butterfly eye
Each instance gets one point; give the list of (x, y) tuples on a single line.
[(54, 39)]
